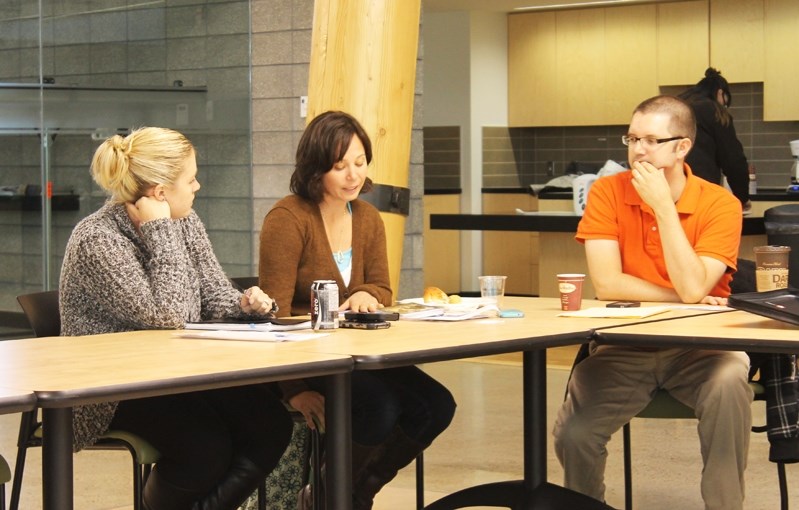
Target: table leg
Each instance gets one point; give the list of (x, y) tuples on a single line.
[(57, 459), (518, 494), (535, 423), (338, 441)]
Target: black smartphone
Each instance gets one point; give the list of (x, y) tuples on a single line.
[(364, 325), (623, 304), (371, 316)]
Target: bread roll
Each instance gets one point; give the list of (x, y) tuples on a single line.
[(434, 295)]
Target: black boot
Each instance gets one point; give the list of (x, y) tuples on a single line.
[(242, 479), (362, 457), (397, 452), (162, 495)]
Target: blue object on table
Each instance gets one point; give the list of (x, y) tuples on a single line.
[(511, 313)]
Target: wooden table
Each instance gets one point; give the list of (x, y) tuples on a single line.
[(15, 401), (734, 331), (413, 342), (68, 371)]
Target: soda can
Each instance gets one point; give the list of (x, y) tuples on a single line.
[(324, 305)]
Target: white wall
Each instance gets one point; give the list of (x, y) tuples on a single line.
[(466, 85)]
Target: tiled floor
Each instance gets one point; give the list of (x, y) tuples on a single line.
[(482, 445)]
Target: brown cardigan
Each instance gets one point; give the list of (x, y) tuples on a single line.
[(295, 251)]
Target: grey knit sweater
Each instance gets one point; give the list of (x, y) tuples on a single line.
[(115, 279)]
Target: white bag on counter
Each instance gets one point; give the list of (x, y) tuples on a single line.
[(582, 183)]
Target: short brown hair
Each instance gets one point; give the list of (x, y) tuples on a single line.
[(323, 144), (683, 122)]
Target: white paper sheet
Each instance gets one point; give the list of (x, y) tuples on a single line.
[(617, 313), (251, 336)]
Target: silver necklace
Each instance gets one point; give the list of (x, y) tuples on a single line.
[(338, 256)]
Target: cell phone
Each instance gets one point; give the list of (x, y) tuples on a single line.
[(623, 304), (371, 316), (364, 325)]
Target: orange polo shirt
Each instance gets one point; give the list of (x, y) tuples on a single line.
[(710, 217)]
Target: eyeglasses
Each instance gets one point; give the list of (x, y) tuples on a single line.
[(647, 142)]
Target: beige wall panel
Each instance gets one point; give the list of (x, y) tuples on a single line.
[(780, 100), (682, 48), (532, 65), (581, 67), (736, 39), (630, 43), (442, 252)]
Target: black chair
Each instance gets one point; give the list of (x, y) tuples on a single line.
[(42, 312)]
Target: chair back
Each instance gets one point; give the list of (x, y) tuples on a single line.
[(41, 310)]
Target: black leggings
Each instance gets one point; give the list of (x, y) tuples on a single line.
[(198, 433), (404, 397)]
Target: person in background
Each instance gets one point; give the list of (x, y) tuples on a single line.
[(144, 261), (717, 149), (324, 232), (658, 233)]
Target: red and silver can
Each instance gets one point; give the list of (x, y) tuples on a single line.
[(324, 304)]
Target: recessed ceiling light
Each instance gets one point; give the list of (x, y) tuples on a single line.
[(575, 4)]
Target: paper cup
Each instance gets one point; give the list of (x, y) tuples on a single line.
[(571, 290), (771, 267)]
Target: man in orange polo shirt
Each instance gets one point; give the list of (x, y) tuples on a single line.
[(657, 233)]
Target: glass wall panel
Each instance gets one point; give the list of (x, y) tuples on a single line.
[(72, 73)]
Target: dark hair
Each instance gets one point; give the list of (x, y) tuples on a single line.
[(323, 144), (707, 88), (683, 121)]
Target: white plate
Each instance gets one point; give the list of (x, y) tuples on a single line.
[(466, 303)]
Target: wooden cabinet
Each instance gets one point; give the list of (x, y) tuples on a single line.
[(514, 254), (630, 69), (442, 248), (532, 67), (580, 67), (682, 42), (780, 100), (593, 66), (736, 39), (581, 71)]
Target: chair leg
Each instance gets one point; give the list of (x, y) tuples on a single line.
[(316, 452), (26, 424), (138, 485), (262, 496), (3, 497), (420, 481), (783, 486), (628, 470)]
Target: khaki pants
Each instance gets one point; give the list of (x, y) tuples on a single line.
[(615, 383)]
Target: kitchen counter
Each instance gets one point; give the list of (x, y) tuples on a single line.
[(540, 221), (557, 250)]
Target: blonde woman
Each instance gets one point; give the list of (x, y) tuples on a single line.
[(144, 261)]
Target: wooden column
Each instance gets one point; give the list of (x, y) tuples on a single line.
[(363, 62)]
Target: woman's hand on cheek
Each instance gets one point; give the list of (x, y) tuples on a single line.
[(150, 208)]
